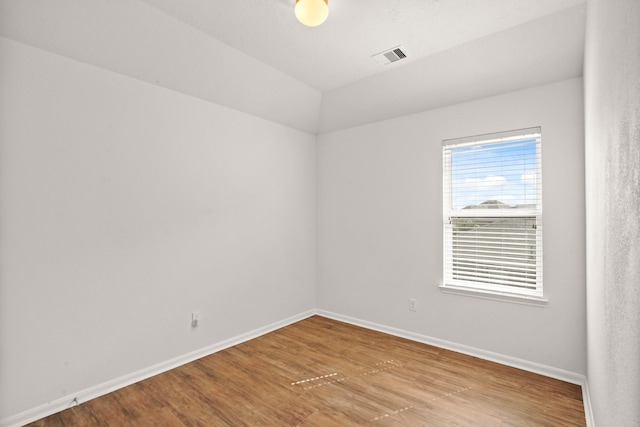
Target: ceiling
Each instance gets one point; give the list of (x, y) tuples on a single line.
[(255, 57), (339, 52)]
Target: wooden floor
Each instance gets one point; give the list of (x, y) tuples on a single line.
[(320, 372)]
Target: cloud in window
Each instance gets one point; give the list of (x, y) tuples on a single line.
[(486, 183), (528, 178)]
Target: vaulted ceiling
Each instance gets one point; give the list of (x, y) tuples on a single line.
[(252, 55), (339, 52)]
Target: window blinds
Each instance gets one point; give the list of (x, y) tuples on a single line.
[(492, 212)]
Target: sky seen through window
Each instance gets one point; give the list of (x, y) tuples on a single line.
[(503, 171)]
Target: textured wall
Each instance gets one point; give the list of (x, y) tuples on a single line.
[(612, 92)]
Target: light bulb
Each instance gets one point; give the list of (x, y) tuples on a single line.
[(311, 12)]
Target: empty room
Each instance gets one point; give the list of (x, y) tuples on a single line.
[(320, 213)]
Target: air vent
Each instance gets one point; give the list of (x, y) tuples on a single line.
[(392, 55)]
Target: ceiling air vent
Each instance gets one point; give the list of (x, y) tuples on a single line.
[(392, 55)]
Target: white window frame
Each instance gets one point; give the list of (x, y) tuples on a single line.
[(488, 288)]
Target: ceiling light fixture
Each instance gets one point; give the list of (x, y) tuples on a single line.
[(312, 12)]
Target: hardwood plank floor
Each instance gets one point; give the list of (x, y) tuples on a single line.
[(320, 372)]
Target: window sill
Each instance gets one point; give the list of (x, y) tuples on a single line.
[(495, 296)]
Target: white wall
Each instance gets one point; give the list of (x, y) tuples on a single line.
[(124, 206), (612, 94), (380, 227)]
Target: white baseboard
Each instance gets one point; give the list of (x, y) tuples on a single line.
[(588, 409), (537, 368), (118, 383)]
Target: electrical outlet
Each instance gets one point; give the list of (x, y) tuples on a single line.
[(195, 319), (413, 304)]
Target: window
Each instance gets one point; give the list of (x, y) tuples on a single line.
[(493, 213)]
